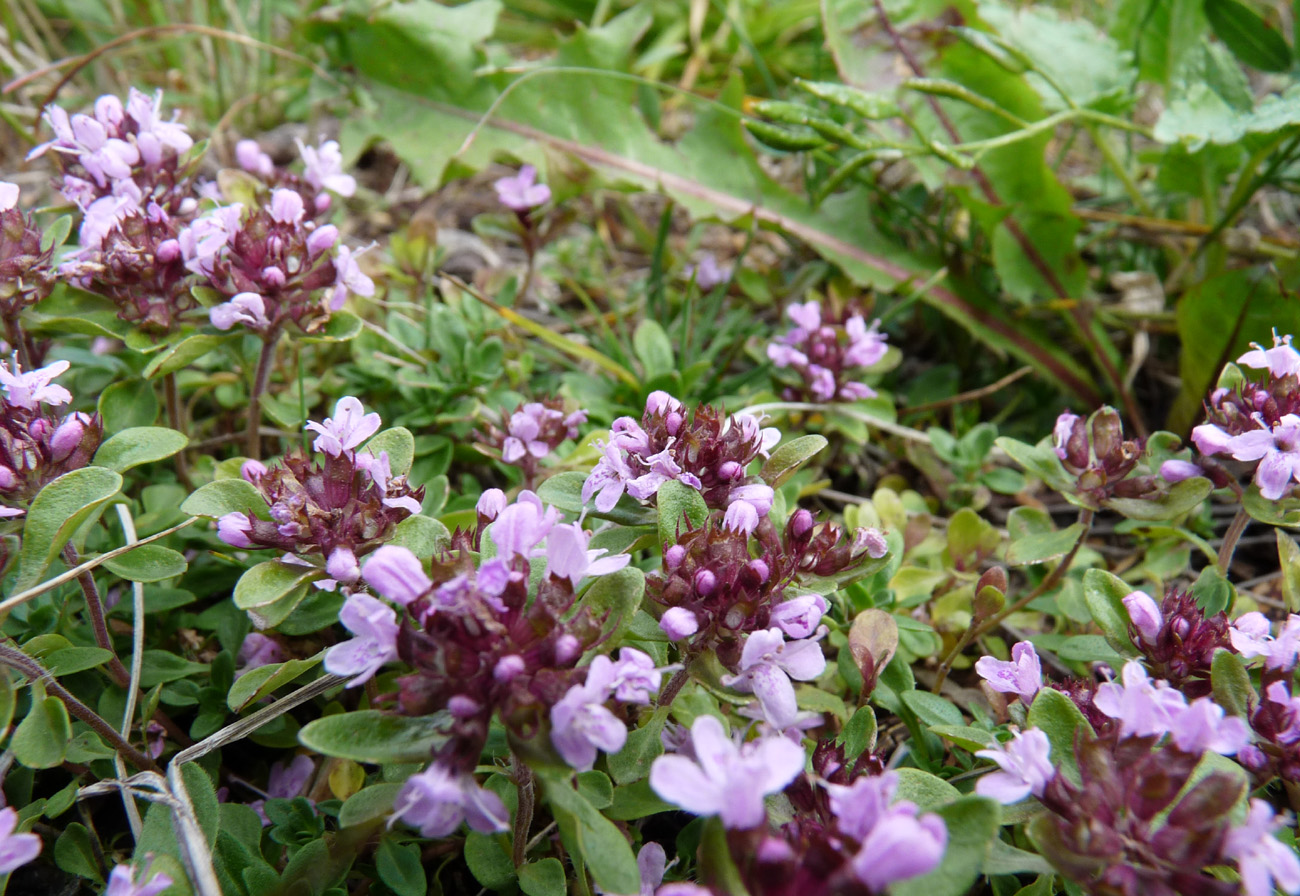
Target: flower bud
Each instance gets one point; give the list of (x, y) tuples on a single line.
[(322, 239), (1145, 614), (8, 478), (1178, 470), (492, 502), (801, 523), (678, 623), (1107, 436), (68, 436), (463, 707), (730, 470), (342, 566), (508, 667), (705, 582), (760, 569), (167, 251), (995, 578), (233, 529), (251, 470), (567, 649), (673, 557)]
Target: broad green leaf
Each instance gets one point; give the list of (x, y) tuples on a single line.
[(967, 738), (544, 878), (1104, 594), (601, 844), (615, 599), (680, 507), (257, 683), (787, 459), (1034, 540), (972, 823), (926, 790), (376, 737), (59, 510), (859, 734), (643, 746), (931, 708), (343, 326), (75, 659), (41, 738), (268, 582), (1248, 36), (1038, 459), (182, 354), (489, 860), (1059, 719), (74, 853), (161, 666), (1090, 649), (400, 869), (368, 804), (1232, 688), (8, 699), (128, 404), (1178, 499), (422, 535), (1213, 592), (140, 445), (216, 499), (400, 445), (148, 563)]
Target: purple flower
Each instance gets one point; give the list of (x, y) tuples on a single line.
[(872, 540), (634, 676), (234, 528), (521, 192), (491, 503), (1278, 452), (350, 278), (397, 574), (708, 273), (8, 195), (895, 843), (1062, 432), (807, 317), (342, 566), (16, 850), (798, 617), (258, 650), (1022, 675), (68, 436), (1143, 708), (245, 308), (567, 556), (749, 504), (725, 779), (120, 883), (1277, 693), (767, 663), (1251, 638), (29, 390), (581, 723), (285, 782), (678, 623), (323, 168), (1177, 470), (1264, 861), (523, 525), (1145, 614), (375, 626), (866, 346), (1024, 767), (1202, 726), (348, 428), (436, 802), (1280, 360), (249, 156)]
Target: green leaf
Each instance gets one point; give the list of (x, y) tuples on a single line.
[(148, 563), (643, 746), (653, 348), (859, 735), (368, 804), (75, 659), (59, 510), (1059, 719), (1040, 459), (1248, 36), (964, 736), (128, 404), (788, 458), (400, 445), (269, 581), (1104, 595), (1232, 688), (615, 598), (931, 708), (257, 683), (41, 738), (1033, 539), (161, 666), (1090, 649), (377, 737), (216, 499), (422, 535), (544, 878), (1180, 498), (563, 491), (676, 501), (1213, 593), (972, 823), (343, 326), (139, 445), (180, 355), (489, 860), (400, 869), (8, 700), (926, 790), (74, 853), (599, 842), (1288, 557)]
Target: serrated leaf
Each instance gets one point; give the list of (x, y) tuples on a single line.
[(376, 737), (139, 445), (1231, 682)]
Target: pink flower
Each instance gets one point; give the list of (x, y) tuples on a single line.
[(521, 192), (1024, 767), (8, 195), (375, 626), (346, 430), (120, 883), (580, 722), (397, 574), (1251, 637), (16, 850), (1022, 675), (1203, 726), (323, 168), (29, 390), (799, 616), (1143, 708), (678, 623), (767, 664), (436, 802), (896, 844), (1145, 614), (1264, 861), (1280, 360), (234, 528), (245, 308), (567, 556)]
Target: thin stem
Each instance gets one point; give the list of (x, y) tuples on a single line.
[(978, 630), (175, 419), (253, 443), (675, 684), (95, 610), (523, 778), (1236, 529), (16, 659)]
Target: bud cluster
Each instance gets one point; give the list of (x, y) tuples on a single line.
[(827, 352), (709, 452), (1259, 421), (1095, 453), (1177, 639), (37, 443), (338, 509), (531, 432), (322, 171)]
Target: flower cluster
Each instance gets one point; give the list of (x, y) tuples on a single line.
[(27, 273), (1177, 639), (1259, 421), (827, 352), (531, 432), (322, 172), (1096, 455), (37, 443), (709, 452), (339, 509)]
